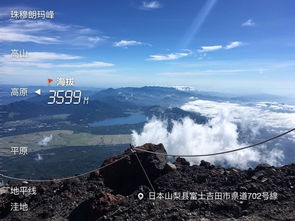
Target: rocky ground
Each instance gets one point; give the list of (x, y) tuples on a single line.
[(112, 193)]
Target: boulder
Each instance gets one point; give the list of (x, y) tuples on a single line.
[(126, 175), (170, 167), (263, 166), (205, 164), (180, 162), (95, 175), (96, 207)]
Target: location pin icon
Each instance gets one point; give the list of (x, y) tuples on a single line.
[(140, 196)]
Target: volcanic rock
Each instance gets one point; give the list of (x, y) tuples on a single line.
[(98, 196), (170, 167), (96, 207), (263, 166), (181, 162), (126, 175)]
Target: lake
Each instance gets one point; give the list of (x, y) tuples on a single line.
[(133, 118)]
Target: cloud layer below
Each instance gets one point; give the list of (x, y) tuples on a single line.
[(228, 123)]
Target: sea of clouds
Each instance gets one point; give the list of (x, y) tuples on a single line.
[(231, 125)]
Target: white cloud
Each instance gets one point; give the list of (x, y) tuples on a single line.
[(95, 39), (248, 23), (35, 26), (204, 72), (85, 40), (233, 44), (39, 59), (188, 137), (46, 32), (51, 56), (151, 5), (86, 65), (28, 31), (172, 56), (230, 126), (210, 48), (45, 140), (38, 56), (8, 36), (125, 43), (93, 72), (37, 76), (19, 63), (274, 116)]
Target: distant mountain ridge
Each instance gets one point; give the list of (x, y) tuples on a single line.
[(145, 96)]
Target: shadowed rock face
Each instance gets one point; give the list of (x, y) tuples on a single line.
[(126, 175), (98, 197), (96, 207)]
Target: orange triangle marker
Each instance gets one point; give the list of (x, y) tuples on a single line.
[(49, 80)]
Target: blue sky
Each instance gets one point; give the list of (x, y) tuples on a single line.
[(241, 46)]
